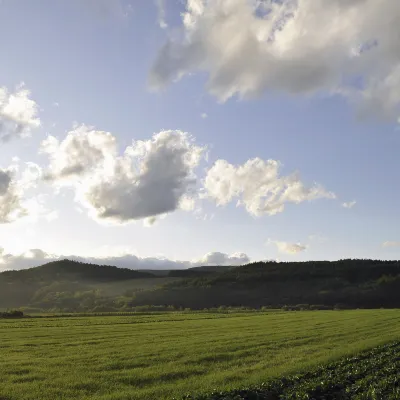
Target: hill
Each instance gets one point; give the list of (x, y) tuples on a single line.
[(72, 271), (66, 284), (202, 271), (70, 286), (350, 283)]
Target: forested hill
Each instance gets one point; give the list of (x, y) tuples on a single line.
[(354, 283), (70, 286), (346, 271), (67, 270)]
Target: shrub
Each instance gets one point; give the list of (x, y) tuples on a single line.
[(12, 314)]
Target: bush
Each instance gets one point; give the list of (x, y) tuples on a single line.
[(150, 308), (320, 307), (302, 307), (12, 314)]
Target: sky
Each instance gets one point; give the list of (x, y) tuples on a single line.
[(160, 134)]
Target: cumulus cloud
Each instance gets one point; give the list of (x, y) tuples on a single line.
[(28, 259), (5, 180), (18, 114), (36, 257), (288, 248), (349, 204), (13, 187), (258, 186), (391, 244), (248, 47), (10, 202), (79, 154), (150, 178), (217, 258)]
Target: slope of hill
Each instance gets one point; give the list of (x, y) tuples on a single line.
[(72, 271), (197, 272), (65, 284), (351, 283), (70, 286)]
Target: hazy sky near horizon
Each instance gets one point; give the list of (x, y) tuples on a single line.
[(201, 131)]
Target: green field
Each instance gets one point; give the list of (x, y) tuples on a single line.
[(170, 355)]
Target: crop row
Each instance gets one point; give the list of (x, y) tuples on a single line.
[(370, 375)]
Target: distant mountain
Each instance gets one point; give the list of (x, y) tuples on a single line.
[(67, 270)]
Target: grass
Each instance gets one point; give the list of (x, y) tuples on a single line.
[(370, 375), (170, 355)]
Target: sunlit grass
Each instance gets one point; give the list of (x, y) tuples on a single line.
[(162, 356)]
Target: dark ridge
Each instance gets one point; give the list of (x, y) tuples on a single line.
[(202, 271), (68, 270), (71, 286), (354, 283)]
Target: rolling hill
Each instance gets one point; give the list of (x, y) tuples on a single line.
[(48, 284), (73, 271), (72, 286), (349, 283)]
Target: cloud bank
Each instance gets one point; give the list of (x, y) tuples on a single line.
[(158, 176), (36, 257), (249, 47)]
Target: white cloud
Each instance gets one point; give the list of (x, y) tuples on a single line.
[(217, 258), (10, 202), (204, 115), (258, 186), (349, 204), (151, 178), (79, 154), (36, 257), (248, 47), (288, 248), (5, 180), (187, 203), (18, 113), (14, 184), (391, 244), (157, 176)]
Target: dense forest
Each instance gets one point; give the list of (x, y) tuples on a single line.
[(69, 286)]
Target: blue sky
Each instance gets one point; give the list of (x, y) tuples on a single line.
[(106, 65)]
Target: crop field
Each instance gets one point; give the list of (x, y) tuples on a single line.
[(200, 354), (372, 374)]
